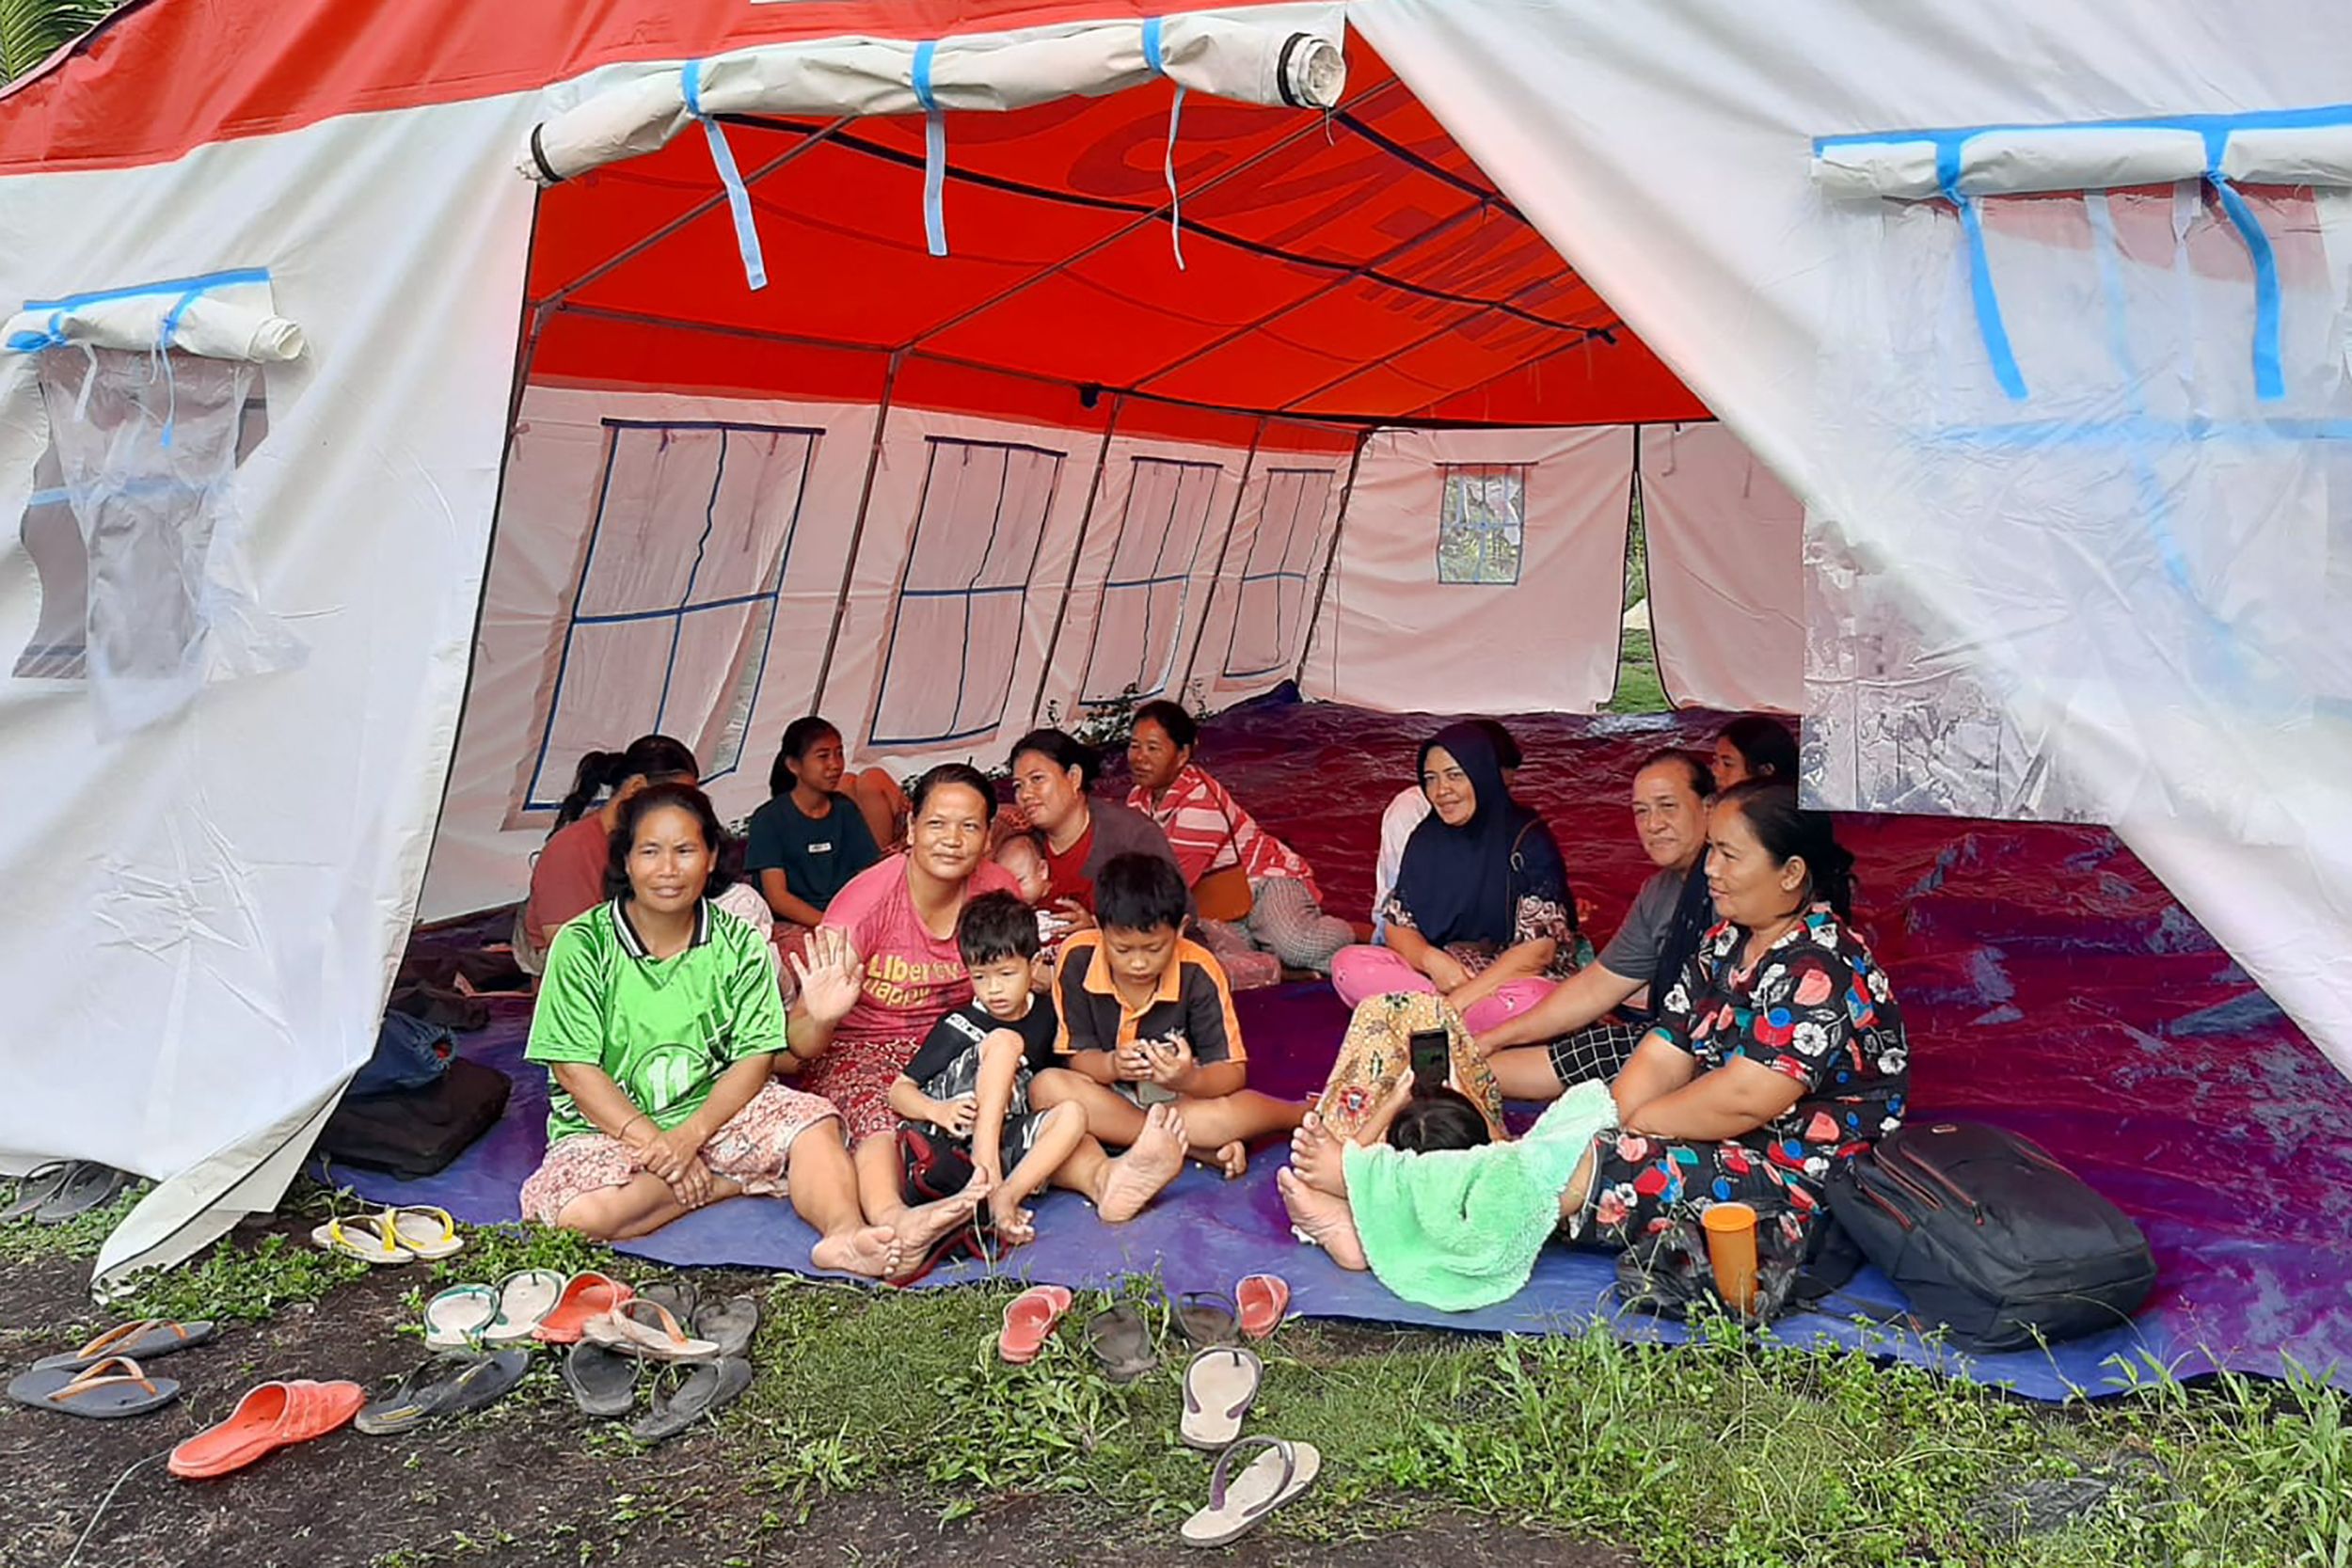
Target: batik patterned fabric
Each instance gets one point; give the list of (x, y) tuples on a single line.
[(1815, 1007)]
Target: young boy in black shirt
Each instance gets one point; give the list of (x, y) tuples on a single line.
[(971, 1081)]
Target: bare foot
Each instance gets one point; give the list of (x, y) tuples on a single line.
[(1315, 1155), (1232, 1159), (1149, 1163), (1324, 1219), (871, 1251), (918, 1229), (1014, 1225)]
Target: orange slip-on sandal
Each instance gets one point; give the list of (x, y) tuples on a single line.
[(271, 1417), (1030, 1319), (587, 1294)]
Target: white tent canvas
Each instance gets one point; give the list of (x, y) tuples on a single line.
[(2072, 535)]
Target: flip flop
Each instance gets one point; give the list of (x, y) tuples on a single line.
[(1277, 1472), (366, 1237), (709, 1388), (36, 1187), (680, 1297), (444, 1386), (586, 1295), (1207, 1318), (729, 1325), (603, 1384), (1221, 1385), (425, 1231), (648, 1329), (459, 1316), (271, 1417), (103, 1391), (485, 1382), (1263, 1301), (1121, 1341), (143, 1341), (1030, 1319), (88, 1185), (525, 1298)]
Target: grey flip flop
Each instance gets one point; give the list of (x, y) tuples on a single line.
[(141, 1341), (88, 1185), (443, 1386), (1208, 1318), (33, 1188), (104, 1391), (709, 1387), (729, 1324), (679, 1296), (1121, 1341), (603, 1382), (488, 1380)]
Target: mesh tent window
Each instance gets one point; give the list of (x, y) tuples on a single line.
[(964, 593), (1139, 627), (1271, 610), (1481, 523), (677, 590), (57, 649)]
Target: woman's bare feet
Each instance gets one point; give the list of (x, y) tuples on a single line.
[(919, 1228), (1324, 1219), (871, 1250), (1316, 1157), (1014, 1225), (1135, 1178)]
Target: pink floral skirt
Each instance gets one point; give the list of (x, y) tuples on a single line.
[(752, 1149)]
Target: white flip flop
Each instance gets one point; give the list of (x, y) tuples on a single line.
[(427, 1232), (456, 1318), (1220, 1385), (1277, 1472), (525, 1298), (366, 1237)]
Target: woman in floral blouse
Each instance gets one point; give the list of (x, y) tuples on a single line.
[(1778, 1052), (1482, 913)]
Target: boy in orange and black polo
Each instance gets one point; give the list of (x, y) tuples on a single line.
[(1147, 1018)]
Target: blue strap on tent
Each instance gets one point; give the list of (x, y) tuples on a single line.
[(1157, 60), (934, 151), (162, 347), (739, 193), (2270, 381), (1989, 323)]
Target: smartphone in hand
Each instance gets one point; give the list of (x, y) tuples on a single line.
[(1432, 1056)]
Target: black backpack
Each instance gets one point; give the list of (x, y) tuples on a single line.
[(1989, 1237)]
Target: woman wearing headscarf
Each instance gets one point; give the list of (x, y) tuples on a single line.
[(1482, 913)]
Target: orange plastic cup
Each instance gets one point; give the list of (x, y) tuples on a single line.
[(1731, 1252)]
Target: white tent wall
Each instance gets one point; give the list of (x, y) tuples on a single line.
[(1254, 633), (206, 912), (1726, 542), (1666, 153), (1532, 623)]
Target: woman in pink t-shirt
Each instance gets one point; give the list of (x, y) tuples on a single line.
[(881, 970)]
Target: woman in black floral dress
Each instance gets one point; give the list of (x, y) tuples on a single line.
[(1779, 1050)]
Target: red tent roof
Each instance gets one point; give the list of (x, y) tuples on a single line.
[(1356, 267)]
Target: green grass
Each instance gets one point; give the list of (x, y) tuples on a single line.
[(1638, 687), (1718, 1453)]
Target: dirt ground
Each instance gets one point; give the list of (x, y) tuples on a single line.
[(527, 1482)]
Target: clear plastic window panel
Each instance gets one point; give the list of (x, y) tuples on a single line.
[(1481, 523), (955, 632), (2095, 583), (677, 598), (135, 531), (1270, 612), (1138, 631)]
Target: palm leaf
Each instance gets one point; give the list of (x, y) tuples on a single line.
[(31, 30)]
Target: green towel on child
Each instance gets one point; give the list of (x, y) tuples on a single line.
[(1459, 1228)]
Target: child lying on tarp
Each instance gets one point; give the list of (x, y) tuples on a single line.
[(1779, 1052), (970, 1081)]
